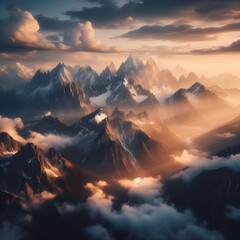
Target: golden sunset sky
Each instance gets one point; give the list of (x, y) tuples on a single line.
[(202, 36)]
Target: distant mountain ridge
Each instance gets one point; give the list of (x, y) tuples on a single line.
[(134, 84)]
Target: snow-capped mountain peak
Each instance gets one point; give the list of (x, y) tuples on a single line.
[(95, 117), (100, 117), (86, 76), (131, 67), (62, 74), (133, 61)]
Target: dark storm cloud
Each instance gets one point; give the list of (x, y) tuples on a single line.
[(179, 32), (54, 24), (232, 48), (54, 38), (219, 10), (109, 14)]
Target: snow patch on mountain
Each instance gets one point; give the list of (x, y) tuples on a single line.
[(42, 90), (100, 117), (65, 76), (136, 97), (100, 100)]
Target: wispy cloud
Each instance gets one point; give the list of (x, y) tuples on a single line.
[(107, 14), (180, 32), (10, 126), (232, 48)]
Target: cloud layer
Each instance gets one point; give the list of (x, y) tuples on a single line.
[(21, 32), (50, 140), (232, 48), (126, 208), (200, 163), (82, 38), (148, 220), (180, 32), (10, 125), (109, 14)]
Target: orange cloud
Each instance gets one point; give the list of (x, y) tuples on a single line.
[(83, 38)]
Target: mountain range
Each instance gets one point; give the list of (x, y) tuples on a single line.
[(134, 84), (99, 145), (124, 137), (114, 144), (81, 146), (30, 170)]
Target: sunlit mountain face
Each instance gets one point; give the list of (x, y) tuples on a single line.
[(119, 120)]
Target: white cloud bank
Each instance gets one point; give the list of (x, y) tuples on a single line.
[(198, 162), (149, 220), (10, 125), (83, 38), (22, 29), (50, 140), (145, 188)]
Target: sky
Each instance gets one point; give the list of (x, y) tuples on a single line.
[(203, 36)]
